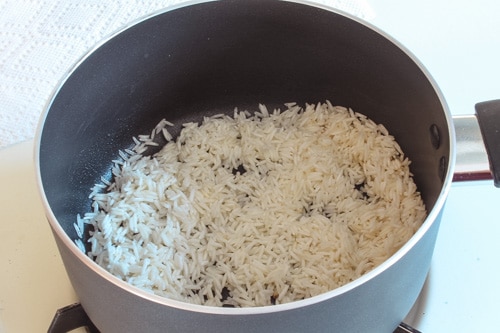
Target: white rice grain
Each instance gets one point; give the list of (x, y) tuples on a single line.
[(255, 209)]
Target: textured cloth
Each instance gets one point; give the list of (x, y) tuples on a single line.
[(40, 40)]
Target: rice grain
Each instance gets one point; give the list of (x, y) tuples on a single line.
[(255, 209)]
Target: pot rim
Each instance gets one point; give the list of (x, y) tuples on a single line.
[(432, 216)]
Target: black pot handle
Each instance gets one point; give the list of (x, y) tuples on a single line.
[(488, 117)]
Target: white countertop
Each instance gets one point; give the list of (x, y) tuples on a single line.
[(459, 43), (33, 282)]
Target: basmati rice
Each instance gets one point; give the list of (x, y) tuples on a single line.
[(255, 209)]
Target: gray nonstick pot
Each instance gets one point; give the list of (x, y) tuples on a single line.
[(206, 58)]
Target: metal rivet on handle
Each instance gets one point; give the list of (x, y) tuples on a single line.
[(435, 136), (442, 168)]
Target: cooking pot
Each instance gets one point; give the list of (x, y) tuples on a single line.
[(206, 58)]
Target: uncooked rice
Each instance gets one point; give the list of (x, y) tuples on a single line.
[(256, 209)]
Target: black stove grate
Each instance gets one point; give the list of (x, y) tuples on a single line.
[(70, 318)]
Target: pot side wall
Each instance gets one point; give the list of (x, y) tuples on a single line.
[(376, 305)]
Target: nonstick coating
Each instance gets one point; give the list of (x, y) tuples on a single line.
[(209, 58), (169, 67)]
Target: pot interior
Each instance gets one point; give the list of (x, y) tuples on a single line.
[(209, 58)]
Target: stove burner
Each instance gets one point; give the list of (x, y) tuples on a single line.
[(73, 316)]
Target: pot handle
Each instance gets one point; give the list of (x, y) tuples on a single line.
[(488, 117), (478, 144)]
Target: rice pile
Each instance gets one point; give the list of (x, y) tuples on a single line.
[(256, 209)]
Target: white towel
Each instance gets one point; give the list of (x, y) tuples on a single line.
[(41, 40)]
